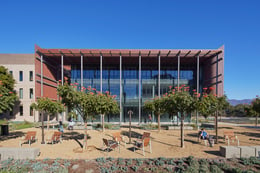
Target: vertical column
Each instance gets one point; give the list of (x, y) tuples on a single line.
[(81, 71), (198, 73), (159, 76), (41, 76), (198, 84), (62, 71), (62, 82), (217, 77), (101, 73), (120, 85), (140, 61), (178, 81)]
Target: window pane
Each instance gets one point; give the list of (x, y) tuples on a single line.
[(21, 110), (31, 76), (20, 75), (31, 93), (11, 73), (20, 93), (31, 111)]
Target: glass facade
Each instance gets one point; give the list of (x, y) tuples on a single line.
[(130, 84)]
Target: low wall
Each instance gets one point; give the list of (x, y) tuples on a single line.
[(240, 151), (18, 153)]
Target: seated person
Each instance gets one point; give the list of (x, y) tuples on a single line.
[(71, 124), (205, 136)]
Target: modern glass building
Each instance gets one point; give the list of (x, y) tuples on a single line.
[(133, 75)]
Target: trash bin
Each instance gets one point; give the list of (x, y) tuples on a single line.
[(4, 129)]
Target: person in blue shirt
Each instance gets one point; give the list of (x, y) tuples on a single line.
[(205, 136)]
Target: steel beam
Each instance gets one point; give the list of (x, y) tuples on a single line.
[(120, 85), (81, 71), (62, 71), (101, 74), (41, 76), (140, 62)]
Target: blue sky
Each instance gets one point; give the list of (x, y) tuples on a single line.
[(190, 24)]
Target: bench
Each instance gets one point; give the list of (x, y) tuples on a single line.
[(18, 153), (230, 135)]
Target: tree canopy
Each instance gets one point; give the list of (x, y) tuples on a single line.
[(7, 94)]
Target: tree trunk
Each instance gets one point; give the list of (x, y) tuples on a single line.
[(159, 122), (216, 126), (256, 120), (42, 129), (48, 121), (85, 135), (182, 131), (103, 124)]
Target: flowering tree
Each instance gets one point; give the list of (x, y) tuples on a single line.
[(180, 101), (208, 105), (156, 105), (45, 105), (105, 104), (7, 95), (80, 100), (256, 107)]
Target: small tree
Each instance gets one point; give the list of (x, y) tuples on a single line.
[(256, 108), (156, 105), (249, 111), (181, 102), (221, 106), (105, 104), (45, 105), (7, 94)]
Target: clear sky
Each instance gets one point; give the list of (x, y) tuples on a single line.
[(161, 24)]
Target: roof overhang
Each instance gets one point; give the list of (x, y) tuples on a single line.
[(129, 52)]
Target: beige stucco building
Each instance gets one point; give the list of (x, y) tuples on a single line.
[(22, 67)]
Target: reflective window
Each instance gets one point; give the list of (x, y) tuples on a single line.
[(20, 75), (21, 93), (31, 93), (21, 110), (31, 76)]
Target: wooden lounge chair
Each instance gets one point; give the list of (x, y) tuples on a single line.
[(145, 141), (119, 138), (110, 144), (56, 137), (28, 138)]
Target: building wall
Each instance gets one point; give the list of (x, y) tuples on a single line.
[(24, 63)]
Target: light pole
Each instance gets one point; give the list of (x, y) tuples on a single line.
[(130, 112)]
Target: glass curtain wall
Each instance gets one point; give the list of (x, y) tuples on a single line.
[(130, 84)]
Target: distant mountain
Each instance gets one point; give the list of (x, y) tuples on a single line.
[(235, 102)]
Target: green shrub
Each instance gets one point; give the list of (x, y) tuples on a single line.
[(124, 168), (149, 126), (135, 168), (171, 162), (215, 169), (159, 163), (246, 161), (22, 125), (114, 168), (129, 162), (139, 162), (101, 160), (150, 162)]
